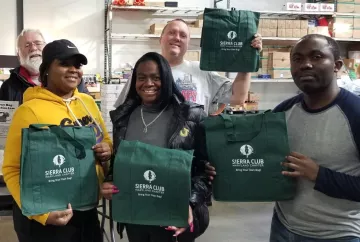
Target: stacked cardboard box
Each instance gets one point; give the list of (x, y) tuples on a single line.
[(266, 61), (283, 28), (342, 26), (279, 64), (345, 6), (109, 95), (194, 27)]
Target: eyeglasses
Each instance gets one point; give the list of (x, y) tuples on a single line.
[(37, 43)]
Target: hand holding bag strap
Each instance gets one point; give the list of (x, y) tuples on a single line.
[(63, 135)]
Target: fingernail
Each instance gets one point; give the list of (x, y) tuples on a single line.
[(114, 187), (192, 227), (115, 191)]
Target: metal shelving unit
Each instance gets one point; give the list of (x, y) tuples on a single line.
[(192, 12)]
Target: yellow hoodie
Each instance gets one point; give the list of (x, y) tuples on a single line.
[(43, 107)]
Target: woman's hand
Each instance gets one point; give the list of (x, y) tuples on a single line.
[(60, 218), (108, 189), (102, 151), (179, 231)]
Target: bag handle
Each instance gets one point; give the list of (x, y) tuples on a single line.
[(63, 136), (232, 136)]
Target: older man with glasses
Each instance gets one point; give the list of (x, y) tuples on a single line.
[(30, 44)]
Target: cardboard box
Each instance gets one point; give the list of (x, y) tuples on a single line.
[(311, 7), (264, 63), (195, 31), (356, 22), (156, 28), (266, 51), (260, 23), (344, 22), (357, 8), (323, 30), (304, 24), (273, 32), (266, 23), (356, 33), (312, 30), (154, 4), (253, 97), (281, 24), (291, 6), (201, 16), (281, 73), (289, 24), (260, 31), (349, 63), (296, 33), (303, 32), (279, 60), (281, 33), (266, 32), (199, 23), (296, 24), (273, 24), (348, 7), (288, 33), (327, 7), (343, 33)]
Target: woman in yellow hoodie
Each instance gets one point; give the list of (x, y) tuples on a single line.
[(56, 102)]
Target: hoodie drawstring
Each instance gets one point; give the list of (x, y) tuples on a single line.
[(68, 101)]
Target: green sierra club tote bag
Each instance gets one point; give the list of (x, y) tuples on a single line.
[(154, 185), (226, 41), (248, 167), (57, 168)]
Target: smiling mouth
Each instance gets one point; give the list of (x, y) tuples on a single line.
[(34, 56), (150, 91), (307, 78), (71, 78)]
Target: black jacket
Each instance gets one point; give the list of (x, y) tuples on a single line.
[(186, 115), (13, 88)]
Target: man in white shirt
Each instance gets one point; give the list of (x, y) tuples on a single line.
[(202, 87)]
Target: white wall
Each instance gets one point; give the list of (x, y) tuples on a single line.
[(7, 27)]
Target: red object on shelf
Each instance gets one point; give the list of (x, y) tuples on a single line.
[(120, 2), (139, 2)]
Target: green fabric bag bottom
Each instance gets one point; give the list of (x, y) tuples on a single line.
[(226, 41), (154, 185)]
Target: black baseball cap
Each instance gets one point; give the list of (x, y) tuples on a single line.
[(62, 49)]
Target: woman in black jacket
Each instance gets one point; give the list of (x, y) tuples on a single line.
[(155, 112)]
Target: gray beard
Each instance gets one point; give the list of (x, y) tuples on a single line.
[(32, 65)]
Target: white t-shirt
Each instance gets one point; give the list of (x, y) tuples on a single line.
[(201, 87)]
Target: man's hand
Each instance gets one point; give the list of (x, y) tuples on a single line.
[(102, 151), (303, 166), (210, 171), (257, 42), (60, 218), (179, 231)]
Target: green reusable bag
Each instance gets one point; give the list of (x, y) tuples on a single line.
[(57, 168), (246, 151), (154, 185), (226, 41)]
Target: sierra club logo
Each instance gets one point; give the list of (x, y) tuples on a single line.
[(149, 190), (150, 176), (232, 35), (231, 43), (59, 174), (59, 160), (247, 151)]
